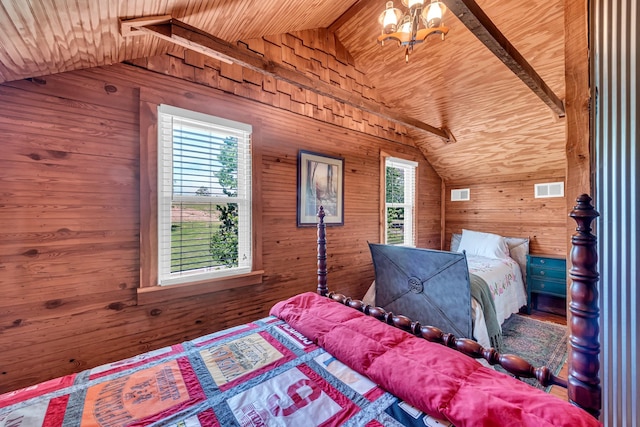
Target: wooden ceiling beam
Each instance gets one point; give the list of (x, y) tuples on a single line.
[(471, 15), (182, 34)]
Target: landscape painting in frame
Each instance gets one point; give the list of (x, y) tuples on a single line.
[(320, 183)]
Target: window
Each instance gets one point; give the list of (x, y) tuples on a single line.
[(400, 177), (204, 196)]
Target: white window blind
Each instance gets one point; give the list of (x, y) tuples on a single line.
[(400, 189), (204, 196)]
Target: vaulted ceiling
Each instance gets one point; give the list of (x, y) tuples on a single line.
[(503, 130)]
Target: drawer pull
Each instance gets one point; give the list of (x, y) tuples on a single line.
[(542, 273), (541, 261)]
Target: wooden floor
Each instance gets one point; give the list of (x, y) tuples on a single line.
[(559, 318)]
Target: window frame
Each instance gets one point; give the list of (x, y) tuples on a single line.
[(408, 165), (149, 290), (166, 177)]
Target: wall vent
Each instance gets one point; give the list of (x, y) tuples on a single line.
[(549, 189), (460, 194)]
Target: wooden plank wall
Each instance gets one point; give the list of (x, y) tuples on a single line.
[(69, 252), (509, 208)]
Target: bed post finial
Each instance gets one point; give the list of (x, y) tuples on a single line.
[(322, 255), (583, 381)]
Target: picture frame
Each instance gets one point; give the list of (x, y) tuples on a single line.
[(320, 183)]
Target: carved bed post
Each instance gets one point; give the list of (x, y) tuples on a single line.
[(322, 255), (583, 382)]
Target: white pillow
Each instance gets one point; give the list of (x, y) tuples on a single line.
[(483, 244)]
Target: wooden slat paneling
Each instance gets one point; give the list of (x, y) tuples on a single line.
[(501, 127), (510, 209), (71, 260), (50, 36)]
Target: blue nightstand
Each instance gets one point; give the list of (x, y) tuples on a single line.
[(546, 274)]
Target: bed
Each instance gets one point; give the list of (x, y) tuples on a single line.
[(325, 359), (469, 291), (506, 277)]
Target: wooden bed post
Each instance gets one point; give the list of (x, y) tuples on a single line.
[(322, 255), (583, 381)]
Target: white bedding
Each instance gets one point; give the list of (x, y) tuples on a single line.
[(504, 278)]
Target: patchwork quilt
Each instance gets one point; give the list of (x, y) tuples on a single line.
[(318, 363), (263, 373)]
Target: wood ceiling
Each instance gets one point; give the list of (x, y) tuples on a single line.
[(503, 130)]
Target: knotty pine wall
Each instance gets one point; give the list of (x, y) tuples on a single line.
[(70, 211), (508, 208)]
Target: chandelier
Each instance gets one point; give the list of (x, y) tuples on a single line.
[(415, 25)]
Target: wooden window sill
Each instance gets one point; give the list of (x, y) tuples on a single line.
[(157, 294)]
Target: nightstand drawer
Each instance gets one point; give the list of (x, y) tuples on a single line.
[(545, 272), (547, 262), (547, 287), (546, 275)]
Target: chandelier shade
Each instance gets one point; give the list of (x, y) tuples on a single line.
[(413, 26)]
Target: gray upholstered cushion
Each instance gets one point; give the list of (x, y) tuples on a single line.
[(455, 241), (518, 250)]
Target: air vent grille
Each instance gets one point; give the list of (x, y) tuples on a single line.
[(549, 189), (460, 194)]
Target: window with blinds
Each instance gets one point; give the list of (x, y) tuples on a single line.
[(399, 201), (204, 196)]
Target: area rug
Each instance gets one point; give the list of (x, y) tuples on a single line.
[(540, 343)]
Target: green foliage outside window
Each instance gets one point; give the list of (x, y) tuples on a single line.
[(395, 185), (203, 191), (224, 242), (394, 194)]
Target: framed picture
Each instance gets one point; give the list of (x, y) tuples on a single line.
[(320, 183)]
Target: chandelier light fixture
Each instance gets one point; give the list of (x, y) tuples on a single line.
[(414, 26)]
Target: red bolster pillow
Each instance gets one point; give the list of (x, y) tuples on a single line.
[(438, 380)]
